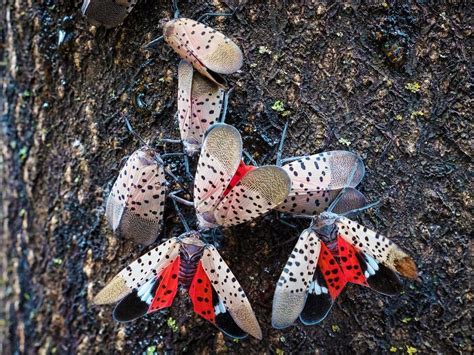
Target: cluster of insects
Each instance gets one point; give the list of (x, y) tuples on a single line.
[(331, 252)]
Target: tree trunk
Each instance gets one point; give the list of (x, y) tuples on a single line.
[(388, 80)]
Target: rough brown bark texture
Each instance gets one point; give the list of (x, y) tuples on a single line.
[(388, 80)]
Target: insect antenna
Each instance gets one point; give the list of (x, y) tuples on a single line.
[(157, 156)]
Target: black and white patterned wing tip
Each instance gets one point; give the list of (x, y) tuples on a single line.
[(379, 277), (139, 273), (224, 321), (318, 303), (132, 306)]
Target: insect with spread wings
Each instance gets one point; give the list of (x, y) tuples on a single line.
[(221, 198), (331, 253)]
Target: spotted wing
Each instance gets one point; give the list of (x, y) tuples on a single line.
[(259, 191), (233, 313), (142, 271), (360, 268), (157, 293), (325, 171), (199, 106), (219, 159), (294, 282), (378, 247), (315, 202), (136, 202), (108, 13), (200, 292), (208, 50)]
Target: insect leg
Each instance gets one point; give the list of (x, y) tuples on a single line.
[(132, 131), (250, 158), (186, 165), (174, 197), (280, 146), (175, 9), (212, 14), (152, 44), (180, 215), (225, 103)]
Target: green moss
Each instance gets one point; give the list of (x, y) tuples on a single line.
[(278, 106), (413, 87), (151, 350), (172, 324), (344, 141)]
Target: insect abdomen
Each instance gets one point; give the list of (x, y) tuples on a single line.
[(190, 256)]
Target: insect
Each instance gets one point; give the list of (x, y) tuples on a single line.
[(136, 202), (210, 52), (107, 13), (332, 252), (199, 106), (151, 282), (255, 190), (317, 179), (226, 192)]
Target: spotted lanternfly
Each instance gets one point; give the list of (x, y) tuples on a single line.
[(151, 282), (323, 262), (209, 51), (136, 202), (199, 106), (107, 13), (256, 191), (317, 179)]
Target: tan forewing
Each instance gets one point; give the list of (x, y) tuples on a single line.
[(258, 192)]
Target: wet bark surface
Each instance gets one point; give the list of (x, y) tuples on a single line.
[(388, 80)]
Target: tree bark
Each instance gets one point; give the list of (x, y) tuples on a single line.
[(388, 80)]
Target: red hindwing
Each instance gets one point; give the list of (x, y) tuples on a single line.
[(201, 295), (242, 170), (168, 287), (332, 272), (349, 263)]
